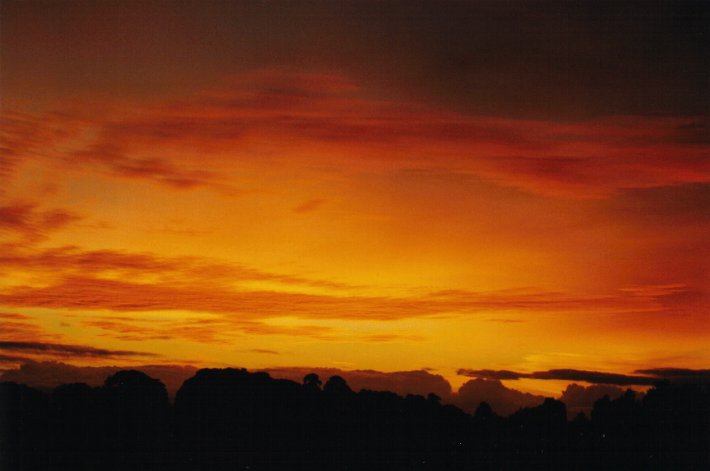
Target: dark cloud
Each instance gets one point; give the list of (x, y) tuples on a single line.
[(543, 58), (68, 350), (265, 351), (676, 204), (679, 374), (490, 374), (594, 377), (649, 376), (275, 113), (14, 359)]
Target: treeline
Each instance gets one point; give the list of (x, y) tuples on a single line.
[(231, 419)]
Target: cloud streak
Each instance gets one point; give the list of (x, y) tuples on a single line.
[(74, 351), (647, 377), (76, 292), (31, 223), (308, 206), (72, 260)]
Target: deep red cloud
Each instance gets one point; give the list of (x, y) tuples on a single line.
[(276, 115)]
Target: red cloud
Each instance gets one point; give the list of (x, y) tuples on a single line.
[(281, 116), (31, 223), (69, 260), (75, 292)]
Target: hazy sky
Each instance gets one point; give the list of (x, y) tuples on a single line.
[(373, 185)]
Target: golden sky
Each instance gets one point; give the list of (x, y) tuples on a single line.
[(362, 186)]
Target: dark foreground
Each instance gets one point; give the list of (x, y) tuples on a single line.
[(231, 419)]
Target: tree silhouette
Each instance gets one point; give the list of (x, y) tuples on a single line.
[(231, 419), (312, 382)]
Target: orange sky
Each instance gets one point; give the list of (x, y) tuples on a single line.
[(175, 193)]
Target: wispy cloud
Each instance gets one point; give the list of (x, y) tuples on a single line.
[(20, 327), (219, 330), (30, 223), (265, 351), (83, 292)]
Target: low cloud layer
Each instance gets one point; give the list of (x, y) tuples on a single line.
[(647, 377)]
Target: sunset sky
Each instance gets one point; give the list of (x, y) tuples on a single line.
[(450, 186)]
